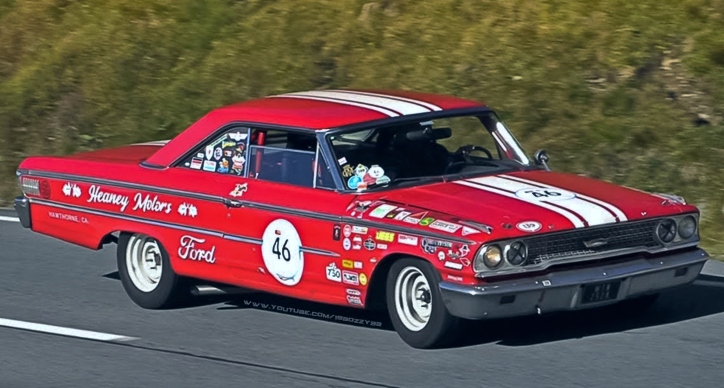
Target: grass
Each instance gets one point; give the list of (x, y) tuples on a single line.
[(629, 92)]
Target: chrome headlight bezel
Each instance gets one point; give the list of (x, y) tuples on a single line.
[(679, 237), (482, 262)]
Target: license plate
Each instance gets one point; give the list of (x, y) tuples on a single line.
[(600, 292)]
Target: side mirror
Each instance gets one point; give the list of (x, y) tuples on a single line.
[(541, 159)]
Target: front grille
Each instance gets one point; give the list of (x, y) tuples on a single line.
[(572, 244)]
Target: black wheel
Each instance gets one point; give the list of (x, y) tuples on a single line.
[(146, 273), (415, 305)]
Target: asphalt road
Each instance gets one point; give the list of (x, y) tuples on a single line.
[(221, 343)]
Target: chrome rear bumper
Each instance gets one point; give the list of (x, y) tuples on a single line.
[(22, 207), (563, 290)]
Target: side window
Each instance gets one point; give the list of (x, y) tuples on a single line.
[(287, 157), (226, 154)]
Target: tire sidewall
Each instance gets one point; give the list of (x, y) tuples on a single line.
[(440, 329), (160, 297)]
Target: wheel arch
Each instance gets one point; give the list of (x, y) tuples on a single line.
[(375, 298)]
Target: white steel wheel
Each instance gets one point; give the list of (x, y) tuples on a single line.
[(415, 304), (413, 298), (144, 262), (147, 274)]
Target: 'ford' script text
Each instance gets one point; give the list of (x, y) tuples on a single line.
[(188, 250)]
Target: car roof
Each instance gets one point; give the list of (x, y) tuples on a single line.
[(324, 109), (313, 110)]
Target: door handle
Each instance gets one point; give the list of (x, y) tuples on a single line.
[(233, 203)]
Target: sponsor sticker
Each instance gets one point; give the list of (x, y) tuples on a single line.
[(529, 226), (545, 194), (209, 165), (349, 277), (187, 210), (239, 190), (385, 236), (353, 292), (407, 240), (196, 163), (347, 230), (359, 229), (333, 273), (426, 221), (445, 226), (452, 265), (381, 246), (346, 263), (369, 244), (382, 210), (346, 244), (402, 215), (363, 279), (336, 233), (358, 265), (352, 299), (72, 190)]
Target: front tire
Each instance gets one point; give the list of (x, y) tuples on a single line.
[(415, 305), (145, 271)]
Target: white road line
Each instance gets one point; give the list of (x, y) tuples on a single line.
[(9, 219), (65, 331)]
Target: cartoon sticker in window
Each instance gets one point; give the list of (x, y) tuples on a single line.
[(364, 176)]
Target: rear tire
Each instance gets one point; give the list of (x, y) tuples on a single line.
[(146, 274), (415, 305)]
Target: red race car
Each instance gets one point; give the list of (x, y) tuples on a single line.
[(422, 204)]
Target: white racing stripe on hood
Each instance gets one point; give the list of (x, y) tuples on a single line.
[(590, 212), (575, 220), (616, 211)]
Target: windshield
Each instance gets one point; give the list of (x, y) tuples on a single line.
[(429, 150)]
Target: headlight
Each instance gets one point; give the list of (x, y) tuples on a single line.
[(687, 227), (516, 253), (666, 230), (488, 258)]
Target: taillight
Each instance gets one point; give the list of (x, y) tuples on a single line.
[(30, 185), (34, 186)]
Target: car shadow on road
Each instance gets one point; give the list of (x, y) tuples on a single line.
[(705, 297)]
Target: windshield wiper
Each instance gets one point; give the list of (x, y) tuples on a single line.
[(423, 179)]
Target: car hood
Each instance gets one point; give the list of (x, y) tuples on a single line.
[(520, 203)]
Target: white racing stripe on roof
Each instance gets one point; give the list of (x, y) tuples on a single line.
[(387, 98), (351, 103), (401, 107)]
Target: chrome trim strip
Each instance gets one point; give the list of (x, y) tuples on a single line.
[(259, 206), (321, 252), (171, 225)]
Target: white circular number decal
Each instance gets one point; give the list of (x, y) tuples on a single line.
[(281, 248), (545, 194)]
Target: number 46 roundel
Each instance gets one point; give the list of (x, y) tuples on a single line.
[(281, 248)]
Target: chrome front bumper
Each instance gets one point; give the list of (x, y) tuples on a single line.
[(558, 291)]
